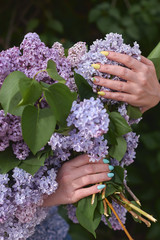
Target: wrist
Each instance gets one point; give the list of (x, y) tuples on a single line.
[(49, 200)]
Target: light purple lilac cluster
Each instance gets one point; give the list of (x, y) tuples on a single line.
[(112, 42), (21, 194), (90, 121), (21, 199), (121, 211), (10, 132)]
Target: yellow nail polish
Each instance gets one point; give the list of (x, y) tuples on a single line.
[(105, 53), (96, 66), (101, 93)]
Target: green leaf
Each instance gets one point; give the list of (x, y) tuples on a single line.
[(60, 99), (121, 126), (84, 89), (108, 222), (32, 164), (118, 175), (154, 56), (155, 53), (37, 127), (10, 95), (100, 206), (30, 90), (118, 150), (133, 112), (110, 189), (52, 72), (156, 62), (87, 214), (8, 160)]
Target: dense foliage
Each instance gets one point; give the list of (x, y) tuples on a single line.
[(71, 21)]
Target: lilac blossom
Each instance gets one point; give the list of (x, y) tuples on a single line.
[(112, 42), (121, 212)]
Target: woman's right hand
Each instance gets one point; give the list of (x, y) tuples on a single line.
[(74, 176)]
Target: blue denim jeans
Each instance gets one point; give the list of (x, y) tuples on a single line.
[(68, 237)]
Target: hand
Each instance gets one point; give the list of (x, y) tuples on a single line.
[(141, 89), (74, 176)]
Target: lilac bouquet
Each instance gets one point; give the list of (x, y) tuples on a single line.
[(50, 111)]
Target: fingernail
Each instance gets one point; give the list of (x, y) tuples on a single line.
[(96, 66), (105, 53), (95, 80), (111, 167), (101, 93), (110, 175), (101, 186), (105, 160)]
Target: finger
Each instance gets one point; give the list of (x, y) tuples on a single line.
[(120, 86), (92, 168), (123, 97), (146, 61), (85, 192), (91, 179), (80, 161), (122, 72), (125, 59)]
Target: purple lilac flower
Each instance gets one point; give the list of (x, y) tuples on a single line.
[(123, 111), (121, 212), (89, 117), (76, 52), (21, 150), (132, 143), (71, 211), (112, 42)]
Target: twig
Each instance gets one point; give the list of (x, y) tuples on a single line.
[(125, 230), (151, 218), (105, 208), (135, 215), (131, 193), (93, 198)]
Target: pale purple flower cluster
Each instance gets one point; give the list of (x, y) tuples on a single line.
[(121, 211), (89, 117), (71, 210), (112, 42), (31, 57), (10, 130), (76, 52), (21, 194), (90, 121), (21, 198)]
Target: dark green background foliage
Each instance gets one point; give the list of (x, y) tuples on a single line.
[(69, 21)]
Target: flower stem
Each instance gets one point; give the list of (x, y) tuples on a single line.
[(151, 218), (105, 208), (132, 194), (93, 198), (125, 230), (43, 70)]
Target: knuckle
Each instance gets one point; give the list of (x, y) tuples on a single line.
[(120, 86), (145, 69), (129, 59), (89, 169), (120, 97), (124, 72)]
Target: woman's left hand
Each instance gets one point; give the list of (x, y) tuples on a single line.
[(141, 88)]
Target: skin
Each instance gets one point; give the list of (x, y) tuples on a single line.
[(141, 89), (72, 187)]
